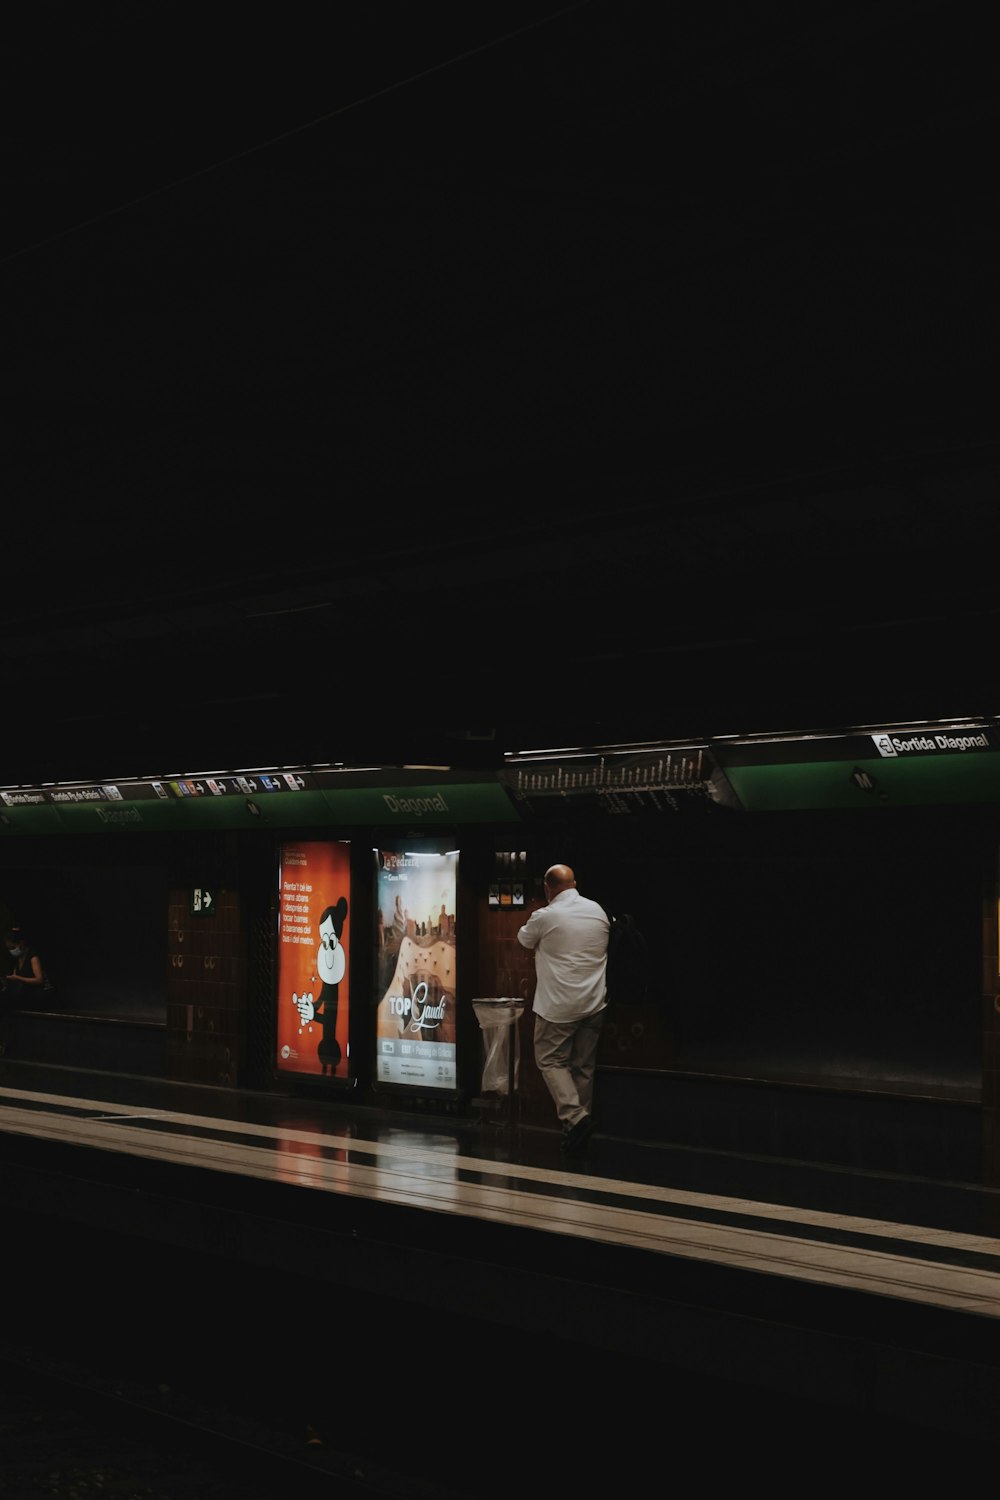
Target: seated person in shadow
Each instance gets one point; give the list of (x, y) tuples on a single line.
[(26, 981)]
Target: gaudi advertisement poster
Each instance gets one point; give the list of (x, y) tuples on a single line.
[(415, 967), (314, 958)]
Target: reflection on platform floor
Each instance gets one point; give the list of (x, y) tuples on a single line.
[(871, 1285), (404, 1168)]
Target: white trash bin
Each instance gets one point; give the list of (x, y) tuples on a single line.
[(498, 1020)]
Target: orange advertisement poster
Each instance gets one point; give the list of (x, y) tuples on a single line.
[(314, 952)]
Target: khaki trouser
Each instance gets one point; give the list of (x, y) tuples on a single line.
[(566, 1056)]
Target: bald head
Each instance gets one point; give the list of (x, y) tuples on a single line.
[(558, 878)]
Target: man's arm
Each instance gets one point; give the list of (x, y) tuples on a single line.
[(534, 929)]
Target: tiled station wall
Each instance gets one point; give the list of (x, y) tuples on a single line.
[(205, 969), (991, 1027)]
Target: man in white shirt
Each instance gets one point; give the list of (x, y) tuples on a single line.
[(569, 938)]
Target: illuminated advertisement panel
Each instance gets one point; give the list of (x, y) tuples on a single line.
[(314, 958), (415, 967)]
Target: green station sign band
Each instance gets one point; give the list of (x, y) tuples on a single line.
[(280, 800), (942, 763)]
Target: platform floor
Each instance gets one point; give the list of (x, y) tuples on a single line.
[(777, 1284)]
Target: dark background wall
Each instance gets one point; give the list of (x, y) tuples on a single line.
[(837, 948), (97, 913), (818, 946)]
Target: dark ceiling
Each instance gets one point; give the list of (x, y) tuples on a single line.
[(418, 383)]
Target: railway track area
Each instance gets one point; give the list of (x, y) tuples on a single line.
[(70, 1432)]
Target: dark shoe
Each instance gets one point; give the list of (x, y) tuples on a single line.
[(576, 1137)]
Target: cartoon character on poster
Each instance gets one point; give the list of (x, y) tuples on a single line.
[(320, 1006)]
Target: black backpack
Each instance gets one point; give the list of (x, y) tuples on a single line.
[(628, 962)]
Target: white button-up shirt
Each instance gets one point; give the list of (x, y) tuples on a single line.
[(569, 938)]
